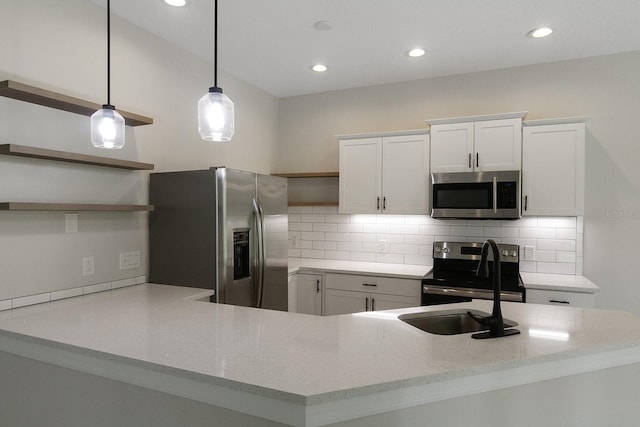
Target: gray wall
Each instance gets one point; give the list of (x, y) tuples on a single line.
[(606, 88), (60, 45)]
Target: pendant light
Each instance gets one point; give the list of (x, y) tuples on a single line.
[(107, 125), (215, 109)]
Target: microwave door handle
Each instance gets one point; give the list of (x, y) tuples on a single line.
[(495, 195)]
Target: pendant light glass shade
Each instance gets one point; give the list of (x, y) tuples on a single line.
[(215, 116), (107, 128)]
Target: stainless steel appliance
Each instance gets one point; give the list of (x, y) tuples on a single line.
[(482, 195), (221, 229), (453, 276)]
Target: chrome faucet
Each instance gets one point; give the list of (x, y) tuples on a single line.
[(495, 321)]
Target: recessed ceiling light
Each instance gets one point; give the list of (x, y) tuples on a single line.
[(323, 25), (319, 68), (416, 53), (176, 3), (540, 32)]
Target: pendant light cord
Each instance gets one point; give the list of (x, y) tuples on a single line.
[(215, 43), (109, 52)]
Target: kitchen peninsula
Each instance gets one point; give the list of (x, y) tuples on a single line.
[(159, 355)]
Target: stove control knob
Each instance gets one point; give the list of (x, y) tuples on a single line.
[(514, 254), (437, 249), (445, 250), (504, 252)]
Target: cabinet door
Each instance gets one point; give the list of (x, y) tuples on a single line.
[(345, 302), (451, 147), (390, 302), (553, 170), (498, 145), (309, 294), (360, 175), (405, 174)]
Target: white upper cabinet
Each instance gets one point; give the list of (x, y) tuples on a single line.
[(553, 169), (385, 174), (490, 144)]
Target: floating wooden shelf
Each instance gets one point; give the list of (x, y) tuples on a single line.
[(308, 175), (72, 207), (64, 156), (34, 95)]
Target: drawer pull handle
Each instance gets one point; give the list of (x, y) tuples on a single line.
[(369, 284), (559, 302), (373, 304), (366, 304)]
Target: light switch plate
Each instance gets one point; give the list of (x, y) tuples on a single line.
[(88, 266), (529, 253)]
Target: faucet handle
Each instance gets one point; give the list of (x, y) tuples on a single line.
[(485, 321)]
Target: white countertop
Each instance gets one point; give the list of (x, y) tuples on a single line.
[(554, 282), (306, 370)]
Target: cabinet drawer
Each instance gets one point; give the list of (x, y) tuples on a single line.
[(575, 299), (374, 284)]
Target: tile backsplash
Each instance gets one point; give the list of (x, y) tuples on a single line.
[(321, 232)]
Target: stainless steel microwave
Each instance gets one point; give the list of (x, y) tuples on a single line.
[(479, 195)]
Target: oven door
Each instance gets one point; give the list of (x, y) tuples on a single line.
[(435, 295), (482, 195)]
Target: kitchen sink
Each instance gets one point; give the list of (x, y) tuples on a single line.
[(449, 322)]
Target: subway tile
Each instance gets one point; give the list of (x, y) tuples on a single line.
[(417, 260), (311, 218), (391, 238), (363, 237), (557, 222), (404, 249), (556, 268), (566, 233), (293, 235), (404, 228), (483, 223), (390, 219), (390, 258), (5, 304), (293, 218), (530, 221), (467, 231), (528, 267), (545, 256), (66, 293), (349, 246), (304, 244), (520, 242), (294, 253), (325, 209), (98, 287), (308, 253), (349, 228), (313, 235), (300, 209), (362, 256), (426, 250), (495, 232), (300, 226), (450, 222), (418, 219), (435, 229), (337, 237), (339, 255), (330, 246), (319, 226), (418, 239), (363, 219), (338, 219), (375, 228), (370, 247), (538, 233), (565, 256), (557, 245), (30, 300)]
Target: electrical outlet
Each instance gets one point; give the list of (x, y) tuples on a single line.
[(383, 246), (88, 266), (529, 253), (129, 260)]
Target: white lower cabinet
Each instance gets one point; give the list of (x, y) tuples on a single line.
[(307, 293), (563, 298), (346, 293)]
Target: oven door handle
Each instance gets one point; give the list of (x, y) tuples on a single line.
[(470, 293)]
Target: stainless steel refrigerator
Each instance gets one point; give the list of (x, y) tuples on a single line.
[(221, 229)]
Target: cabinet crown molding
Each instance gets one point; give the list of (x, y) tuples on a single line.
[(499, 116), (383, 134), (556, 121)]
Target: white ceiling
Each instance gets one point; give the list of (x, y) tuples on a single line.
[(272, 43)]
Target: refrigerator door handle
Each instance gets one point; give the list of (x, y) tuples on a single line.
[(257, 210)]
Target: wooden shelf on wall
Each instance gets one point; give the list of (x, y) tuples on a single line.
[(308, 175), (35, 95), (64, 156), (72, 207)]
